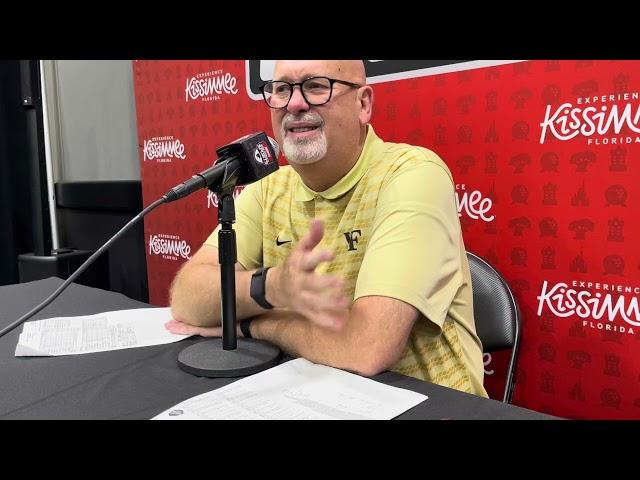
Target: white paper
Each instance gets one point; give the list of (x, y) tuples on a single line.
[(298, 390), (115, 330)]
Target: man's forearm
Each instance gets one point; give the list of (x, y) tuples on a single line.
[(299, 337), (195, 296)]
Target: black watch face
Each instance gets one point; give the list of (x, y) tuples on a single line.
[(258, 288)]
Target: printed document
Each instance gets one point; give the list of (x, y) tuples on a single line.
[(298, 390), (139, 327)]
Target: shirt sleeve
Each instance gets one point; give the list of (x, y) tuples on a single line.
[(413, 253), (248, 227)]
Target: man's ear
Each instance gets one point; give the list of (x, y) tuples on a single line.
[(365, 97)]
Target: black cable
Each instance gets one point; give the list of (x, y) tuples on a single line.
[(84, 266)]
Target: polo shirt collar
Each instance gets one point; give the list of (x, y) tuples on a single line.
[(346, 183)]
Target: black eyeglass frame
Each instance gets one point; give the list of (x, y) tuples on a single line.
[(293, 85)]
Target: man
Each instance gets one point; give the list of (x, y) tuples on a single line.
[(368, 270)]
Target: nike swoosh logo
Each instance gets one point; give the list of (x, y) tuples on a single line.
[(278, 242)]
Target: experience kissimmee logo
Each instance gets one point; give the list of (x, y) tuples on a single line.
[(170, 247), (163, 149), (209, 86), (601, 306), (612, 119)]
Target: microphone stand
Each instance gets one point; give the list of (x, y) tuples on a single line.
[(237, 357), (227, 256)]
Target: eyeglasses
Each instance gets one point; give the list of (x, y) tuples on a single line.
[(315, 90)]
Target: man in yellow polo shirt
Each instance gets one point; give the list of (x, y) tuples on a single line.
[(357, 243)]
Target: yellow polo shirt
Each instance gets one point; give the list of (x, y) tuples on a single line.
[(393, 224)]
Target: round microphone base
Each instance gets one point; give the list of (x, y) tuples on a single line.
[(209, 359)]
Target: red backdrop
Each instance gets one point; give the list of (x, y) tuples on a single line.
[(544, 154)]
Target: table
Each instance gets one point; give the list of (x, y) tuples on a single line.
[(139, 383)]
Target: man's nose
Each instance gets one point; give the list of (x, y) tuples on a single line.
[(297, 103)]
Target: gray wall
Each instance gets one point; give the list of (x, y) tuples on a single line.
[(92, 119), (93, 137)]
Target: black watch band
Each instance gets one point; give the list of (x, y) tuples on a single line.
[(258, 290), (245, 327)]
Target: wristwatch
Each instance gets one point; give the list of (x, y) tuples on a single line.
[(258, 290)]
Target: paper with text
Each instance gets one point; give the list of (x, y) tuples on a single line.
[(298, 390), (140, 327)]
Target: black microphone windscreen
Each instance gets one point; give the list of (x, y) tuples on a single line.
[(258, 154)]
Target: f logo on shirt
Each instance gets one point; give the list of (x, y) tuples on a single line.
[(352, 239)]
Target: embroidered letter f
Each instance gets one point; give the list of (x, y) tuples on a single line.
[(352, 239)]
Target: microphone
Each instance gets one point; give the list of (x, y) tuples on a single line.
[(243, 161)]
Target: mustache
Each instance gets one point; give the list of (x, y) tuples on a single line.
[(309, 117)]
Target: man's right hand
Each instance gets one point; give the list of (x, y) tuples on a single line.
[(295, 284)]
